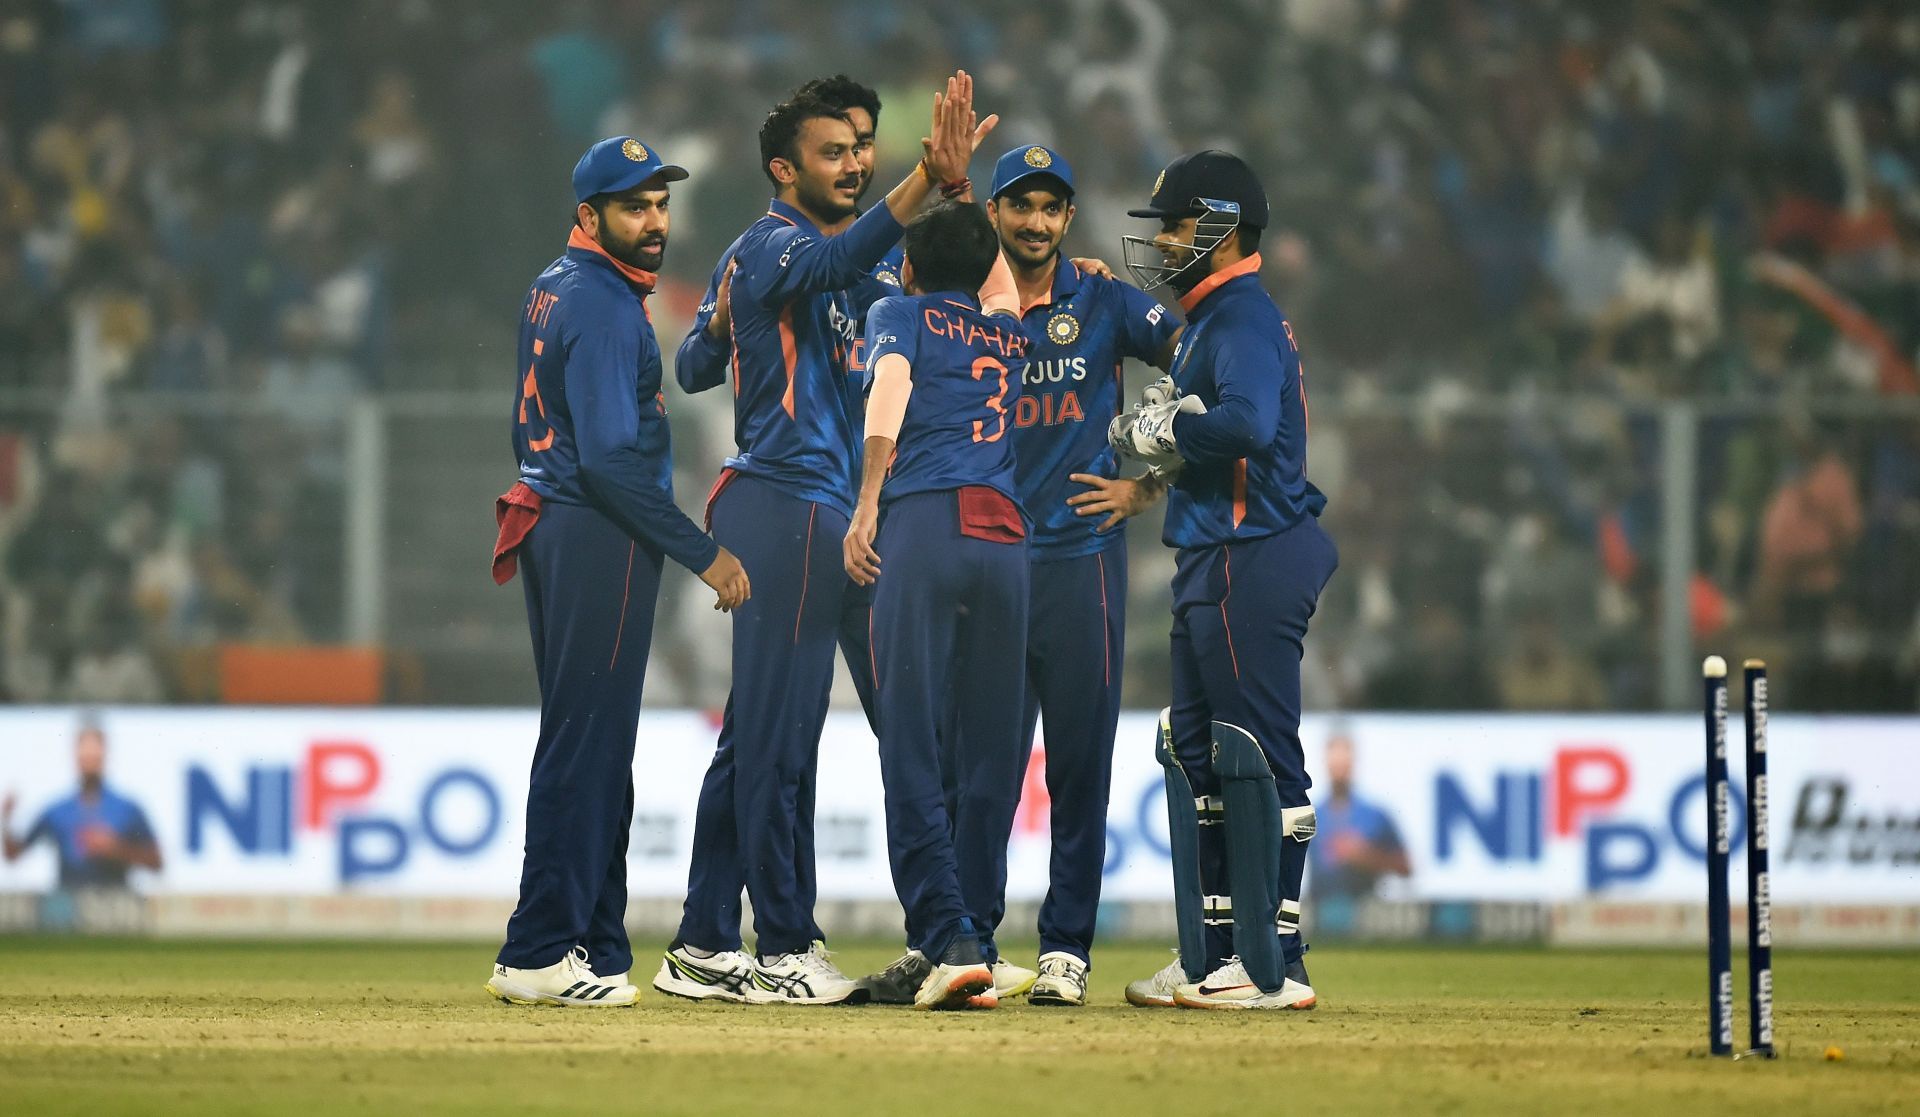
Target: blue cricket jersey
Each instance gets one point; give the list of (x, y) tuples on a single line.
[(967, 368), (798, 411), (65, 821), (1081, 332), (1246, 459), (703, 360), (589, 421)]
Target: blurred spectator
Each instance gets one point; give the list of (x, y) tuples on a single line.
[(1807, 536), (222, 221), (1542, 671)]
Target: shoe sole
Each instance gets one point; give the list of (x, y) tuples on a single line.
[(520, 995), (1054, 1000), (1297, 1006), (1143, 1000), (694, 991), (761, 997), (861, 996), (960, 991), (1019, 990)]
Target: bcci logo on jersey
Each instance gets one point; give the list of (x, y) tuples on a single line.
[(1063, 329)]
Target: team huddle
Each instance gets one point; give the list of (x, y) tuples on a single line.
[(931, 421)]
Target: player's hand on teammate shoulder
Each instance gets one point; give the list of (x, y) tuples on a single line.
[(1093, 266), (729, 581), (862, 561)]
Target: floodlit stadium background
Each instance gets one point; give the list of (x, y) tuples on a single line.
[(1610, 312)]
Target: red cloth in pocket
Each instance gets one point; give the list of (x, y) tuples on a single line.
[(516, 511), (988, 514)]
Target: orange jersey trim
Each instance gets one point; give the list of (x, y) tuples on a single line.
[(579, 239), (1239, 492), (789, 355), (1207, 286)]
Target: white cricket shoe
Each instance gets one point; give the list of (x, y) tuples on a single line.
[(804, 978), (1157, 991), (1062, 981), (566, 982), (958, 985), (1230, 987), (723, 976), (1010, 980)]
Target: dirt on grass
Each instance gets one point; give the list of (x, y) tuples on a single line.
[(289, 1028)]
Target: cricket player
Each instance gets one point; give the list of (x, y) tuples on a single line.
[(701, 364), (1081, 323), (940, 534), (592, 521), (783, 503), (1230, 422), (1083, 327)]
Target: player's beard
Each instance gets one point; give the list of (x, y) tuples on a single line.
[(647, 253), (1189, 275), (824, 203)]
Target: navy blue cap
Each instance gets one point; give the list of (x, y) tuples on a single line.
[(618, 164), (1218, 175), (1027, 162)]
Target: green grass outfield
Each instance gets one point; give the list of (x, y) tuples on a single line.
[(276, 1028)]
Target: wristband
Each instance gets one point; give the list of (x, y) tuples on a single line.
[(955, 188)]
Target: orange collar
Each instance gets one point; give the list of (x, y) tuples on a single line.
[(1206, 287), (579, 239)]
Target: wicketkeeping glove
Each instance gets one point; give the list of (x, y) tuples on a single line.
[(1146, 433), (1158, 392)]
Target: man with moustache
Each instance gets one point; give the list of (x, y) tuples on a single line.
[(783, 502), (1083, 327), (702, 363), (591, 522)]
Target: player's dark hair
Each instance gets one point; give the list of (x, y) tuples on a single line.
[(843, 93), (780, 134), (1249, 239), (952, 247)]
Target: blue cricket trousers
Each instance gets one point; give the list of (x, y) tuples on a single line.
[(1076, 634), (949, 645), (754, 823), (1240, 612), (590, 591)]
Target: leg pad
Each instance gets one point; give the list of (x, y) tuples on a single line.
[(1185, 816)]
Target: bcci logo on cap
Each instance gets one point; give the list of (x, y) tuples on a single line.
[(634, 150), (1063, 329), (1158, 183), (1038, 157)]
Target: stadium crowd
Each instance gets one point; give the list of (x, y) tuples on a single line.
[(1509, 232)]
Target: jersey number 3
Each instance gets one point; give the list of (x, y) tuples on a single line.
[(997, 402)]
